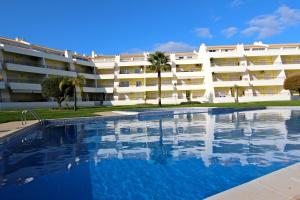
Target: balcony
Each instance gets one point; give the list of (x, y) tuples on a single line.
[(88, 76), (220, 66), (231, 83), (98, 89), (25, 86), (291, 65), (133, 75), (39, 70), (268, 82), (228, 69), (189, 75), (38, 52), (105, 76), (190, 59), (23, 51), (190, 87), (164, 87), (84, 62), (105, 63), (265, 67), (163, 75), (134, 61), (272, 52), (130, 89), (232, 53)]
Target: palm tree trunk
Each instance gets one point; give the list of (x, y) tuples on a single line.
[(159, 88), (75, 99), (237, 94)]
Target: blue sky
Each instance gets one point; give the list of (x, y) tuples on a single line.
[(129, 26)]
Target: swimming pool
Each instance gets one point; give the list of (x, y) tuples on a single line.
[(165, 155)]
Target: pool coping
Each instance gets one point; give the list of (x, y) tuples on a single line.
[(16, 127), (281, 184)]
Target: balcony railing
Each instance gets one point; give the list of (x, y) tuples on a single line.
[(23, 62), (34, 81), (191, 83), (267, 94), (216, 79), (137, 71), (185, 57), (104, 85), (188, 70), (133, 59), (89, 85), (291, 62), (104, 60), (229, 64), (266, 78)]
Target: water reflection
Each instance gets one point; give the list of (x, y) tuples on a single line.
[(242, 138)]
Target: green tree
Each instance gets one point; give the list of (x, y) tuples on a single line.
[(69, 85), (51, 88), (292, 83), (159, 62)]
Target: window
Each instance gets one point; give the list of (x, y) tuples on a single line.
[(124, 84), (138, 83)]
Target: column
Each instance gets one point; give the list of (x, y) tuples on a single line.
[(208, 78), (246, 77), (174, 78), (116, 80)]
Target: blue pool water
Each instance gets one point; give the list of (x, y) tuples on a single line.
[(186, 155)]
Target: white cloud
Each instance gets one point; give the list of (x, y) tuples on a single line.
[(203, 32), (229, 32), (134, 51), (236, 3), (264, 26), (172, 46)]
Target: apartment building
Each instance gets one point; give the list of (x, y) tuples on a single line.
[(211, 74)]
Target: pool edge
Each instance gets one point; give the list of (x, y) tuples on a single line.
[(280, 184)]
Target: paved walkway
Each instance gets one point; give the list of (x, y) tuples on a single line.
[(10, 127), (283, 184)]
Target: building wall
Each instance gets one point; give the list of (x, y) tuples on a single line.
[(212, 74)]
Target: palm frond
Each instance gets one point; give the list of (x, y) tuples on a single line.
[(159, 61)]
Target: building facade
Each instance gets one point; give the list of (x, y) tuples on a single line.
[(213, 74)]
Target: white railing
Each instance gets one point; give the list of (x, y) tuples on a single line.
[(34, 114)]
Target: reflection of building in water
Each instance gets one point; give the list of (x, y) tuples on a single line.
[(41, 152), (252, 137)]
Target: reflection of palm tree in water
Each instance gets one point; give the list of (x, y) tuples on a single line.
[(160, 152)]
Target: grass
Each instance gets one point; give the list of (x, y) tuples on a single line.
[(14, 115)]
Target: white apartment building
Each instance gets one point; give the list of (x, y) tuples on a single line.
[(211, 74)]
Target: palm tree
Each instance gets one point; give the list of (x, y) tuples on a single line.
[(73, 83), (159, 62)]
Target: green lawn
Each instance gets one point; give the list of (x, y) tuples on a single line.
[(14, 115)]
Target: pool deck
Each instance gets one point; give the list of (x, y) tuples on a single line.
[(11, 127), (279, 185)]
